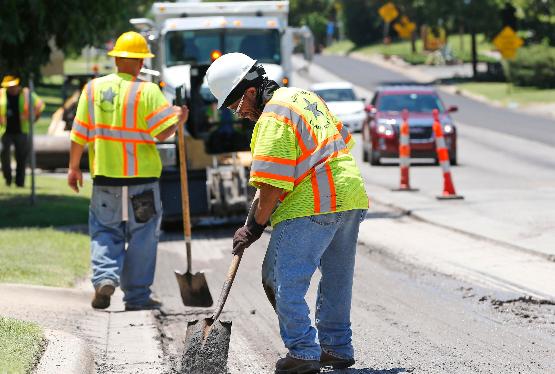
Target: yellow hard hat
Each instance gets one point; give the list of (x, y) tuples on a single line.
[(10, 81), (131, 44)]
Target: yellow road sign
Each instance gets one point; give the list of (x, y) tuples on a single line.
[(388, 12), (404, 27), (507, 42)]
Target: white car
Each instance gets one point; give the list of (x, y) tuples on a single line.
[(342, 102)]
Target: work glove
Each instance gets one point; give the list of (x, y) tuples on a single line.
[(247, 235)]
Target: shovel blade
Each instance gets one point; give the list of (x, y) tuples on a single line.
[(206, 347), (194, 289)]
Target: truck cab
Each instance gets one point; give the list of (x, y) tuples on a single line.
[(186, 37)]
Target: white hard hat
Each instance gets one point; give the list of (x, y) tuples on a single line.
[(226, 73)]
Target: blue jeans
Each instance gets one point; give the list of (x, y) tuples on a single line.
[(133, 267), (297, 247)]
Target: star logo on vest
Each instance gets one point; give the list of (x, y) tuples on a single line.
[(313, 107), (107, 100)]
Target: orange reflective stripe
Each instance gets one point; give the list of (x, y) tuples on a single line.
[(332, 156), (119, 140), (136, 106), (301, 116), (315, 192), (136, 159), (127, 130), (25, 103), (155, 112), (319, 147), (161, 122), (333, 194), (79, 135), (443, 154), (277, 160), (264, 174), (124, 148)]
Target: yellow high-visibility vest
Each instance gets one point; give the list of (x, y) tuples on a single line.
[(23, 108), (119, 117), (298, 145)]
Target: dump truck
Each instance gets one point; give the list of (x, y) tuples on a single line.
[(186, 37)]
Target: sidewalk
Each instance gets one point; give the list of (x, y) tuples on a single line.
[(83, 340)]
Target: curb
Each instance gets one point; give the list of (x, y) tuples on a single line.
[(65, 353)]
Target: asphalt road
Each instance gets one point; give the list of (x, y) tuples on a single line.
[(405, 319), (370, 76)]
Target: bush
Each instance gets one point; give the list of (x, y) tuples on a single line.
[(533, 66)]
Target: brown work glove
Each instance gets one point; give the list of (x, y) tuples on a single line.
[(247, 235)]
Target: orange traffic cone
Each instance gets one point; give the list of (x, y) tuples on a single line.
[(404, 154), (443, 158)]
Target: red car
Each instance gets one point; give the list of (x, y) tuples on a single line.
[(380, 131)]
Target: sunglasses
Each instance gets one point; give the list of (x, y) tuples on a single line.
[(236, 110)]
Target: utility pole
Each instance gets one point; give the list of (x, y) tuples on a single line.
[(31, 131)]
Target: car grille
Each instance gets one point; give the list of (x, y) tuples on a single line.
[(419, 132)]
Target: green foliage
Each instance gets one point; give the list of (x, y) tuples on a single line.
[(533, 66), (21, 344), (26, 27), (362, 22), (312, 13)]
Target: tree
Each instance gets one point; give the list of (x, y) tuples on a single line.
[(363, 25), (26, 27)]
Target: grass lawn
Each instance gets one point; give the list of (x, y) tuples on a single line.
[(500, 92), (56, 204), (43, 256), (403, 49), (21, 345), (32, 251)]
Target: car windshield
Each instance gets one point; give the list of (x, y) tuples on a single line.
[(337, 94), (420, 103), (196, 46)]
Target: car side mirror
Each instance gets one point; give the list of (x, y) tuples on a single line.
[(370, 109), (363, 99), (453, 109)]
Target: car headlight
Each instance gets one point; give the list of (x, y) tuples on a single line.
[(448, 129), (167, 154)]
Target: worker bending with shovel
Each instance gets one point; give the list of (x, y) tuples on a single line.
[(301, 160), (120, 117)]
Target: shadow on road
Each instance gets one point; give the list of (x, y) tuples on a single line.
[(369, 371)]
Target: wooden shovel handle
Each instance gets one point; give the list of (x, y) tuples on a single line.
[(184, 184), (227, 284)]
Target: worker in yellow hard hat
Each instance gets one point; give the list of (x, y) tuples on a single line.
[(120, 117), (14, 125)]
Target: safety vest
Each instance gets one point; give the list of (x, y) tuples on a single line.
[(119, 117), (298, 145), (23, 108)]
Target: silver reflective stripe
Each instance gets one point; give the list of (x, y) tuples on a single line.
[(324, 191), (90, 102), (159, 116), (445, 166), (83, 130), (123, 135), (130, 150), (404, 161), (344, 132), (129, 120), (296, 119), (440, 143), (273, 168), (404, 139), (317, 156)]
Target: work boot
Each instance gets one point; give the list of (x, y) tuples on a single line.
[(290, 365), (102, 294), (327, 360), (151, 304)]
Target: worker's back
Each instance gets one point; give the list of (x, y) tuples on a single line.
[(120, 116), (300, 146)]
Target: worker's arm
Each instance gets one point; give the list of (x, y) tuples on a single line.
[(253, 229), (74, 175), (269, 196), (182, 114)]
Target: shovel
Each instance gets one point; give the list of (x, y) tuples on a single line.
[(207, 341), (193, 287)]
